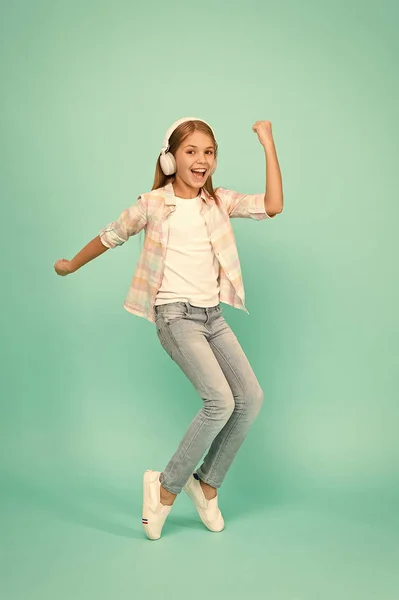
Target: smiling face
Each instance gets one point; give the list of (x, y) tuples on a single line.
[(195, 153)]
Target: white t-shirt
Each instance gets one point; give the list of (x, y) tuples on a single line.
[(191, 271)]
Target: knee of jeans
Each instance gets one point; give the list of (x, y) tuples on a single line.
[(228, 408), (222, 409), (255, 399)]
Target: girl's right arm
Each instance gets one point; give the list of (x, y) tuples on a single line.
[(91, 250), (130, 222)]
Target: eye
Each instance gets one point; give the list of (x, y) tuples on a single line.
[(209, 151)]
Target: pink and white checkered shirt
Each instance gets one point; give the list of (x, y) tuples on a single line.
[(151, 211)]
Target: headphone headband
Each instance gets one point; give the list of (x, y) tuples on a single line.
[(176, 124)]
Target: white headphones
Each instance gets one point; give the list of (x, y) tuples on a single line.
[(166, 159)]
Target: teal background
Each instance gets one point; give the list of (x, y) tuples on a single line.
[(90, 399)]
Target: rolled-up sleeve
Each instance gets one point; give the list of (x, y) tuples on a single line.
[(130, 222), (244, 206)]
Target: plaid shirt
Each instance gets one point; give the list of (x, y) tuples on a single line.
[(151, 211)]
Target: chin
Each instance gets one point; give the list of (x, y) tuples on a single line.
[(195, 185)]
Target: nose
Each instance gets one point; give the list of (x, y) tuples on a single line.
[(203, 162)]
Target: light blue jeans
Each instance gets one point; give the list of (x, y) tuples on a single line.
[(203, 345)]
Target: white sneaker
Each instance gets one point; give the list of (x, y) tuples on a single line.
[(154, 513), (207, 509)]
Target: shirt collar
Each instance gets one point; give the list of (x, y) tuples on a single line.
[(169, 194)]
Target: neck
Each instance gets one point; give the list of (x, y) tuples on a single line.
[(182, 190)]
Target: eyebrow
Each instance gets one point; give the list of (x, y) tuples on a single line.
[(192, 146)]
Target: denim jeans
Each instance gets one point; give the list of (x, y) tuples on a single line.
[(203, 345)]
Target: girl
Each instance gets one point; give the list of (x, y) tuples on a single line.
[(188, 265)]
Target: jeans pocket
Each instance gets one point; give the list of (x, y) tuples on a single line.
[(163, 336), (171, 319), (163, 342), (171, 314)]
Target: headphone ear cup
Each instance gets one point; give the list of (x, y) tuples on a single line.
[(168, 163), (215, 166)]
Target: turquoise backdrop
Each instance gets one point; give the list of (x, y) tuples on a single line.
[(90, 399)]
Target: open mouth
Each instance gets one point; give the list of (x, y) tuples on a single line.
[(199, 174)]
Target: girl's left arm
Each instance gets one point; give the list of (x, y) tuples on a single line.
[(274, 186)]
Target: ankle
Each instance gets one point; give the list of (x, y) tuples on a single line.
[(166, 497), (209, 491)]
